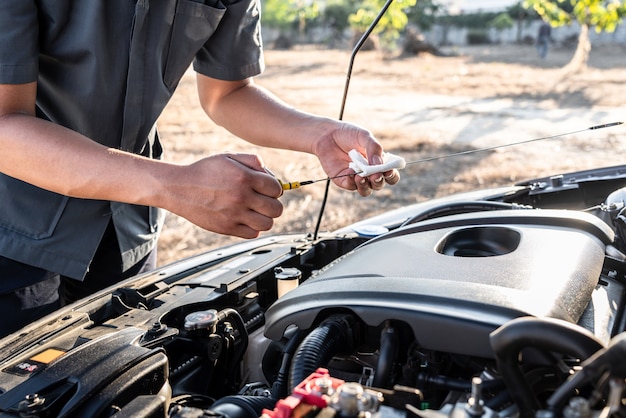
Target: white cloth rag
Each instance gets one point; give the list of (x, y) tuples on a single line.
[(361, 167)]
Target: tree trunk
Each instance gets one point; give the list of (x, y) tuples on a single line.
[(579, 61)]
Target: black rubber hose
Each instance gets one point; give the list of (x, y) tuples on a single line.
[(241, 348), (332, 337), (610, 359), (547, 334), (240, 406), (386, 357), (279, 387)]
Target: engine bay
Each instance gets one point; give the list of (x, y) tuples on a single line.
[(504, 302)]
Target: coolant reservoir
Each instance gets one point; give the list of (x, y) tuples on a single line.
[(286, 279)]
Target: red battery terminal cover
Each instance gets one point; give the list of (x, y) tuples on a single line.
[(311, 393)]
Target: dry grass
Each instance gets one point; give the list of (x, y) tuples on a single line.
[(404, 102)]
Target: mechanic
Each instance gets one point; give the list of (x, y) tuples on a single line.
[(82, 84)]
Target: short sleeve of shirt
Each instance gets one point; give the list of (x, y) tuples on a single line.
[(19, 53), (234, 51)]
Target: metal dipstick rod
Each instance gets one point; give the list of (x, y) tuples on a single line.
[(297, 184)]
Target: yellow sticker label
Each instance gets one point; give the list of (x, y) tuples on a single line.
[(47, 356)]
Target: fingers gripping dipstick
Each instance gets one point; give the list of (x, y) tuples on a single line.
[(360, 166), (295, 184), (292, 184)]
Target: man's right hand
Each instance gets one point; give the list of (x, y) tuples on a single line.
[(229, 194)]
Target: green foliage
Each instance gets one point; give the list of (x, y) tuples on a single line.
[(389, 26), (501, 22), (518, 11), (480, 20), (603, 15), (285, 14), (471, 20), (336, 13), (424, 13)]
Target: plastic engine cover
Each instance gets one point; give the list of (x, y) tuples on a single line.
[(456, 279)]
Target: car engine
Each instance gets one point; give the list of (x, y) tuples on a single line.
[(504, 302)]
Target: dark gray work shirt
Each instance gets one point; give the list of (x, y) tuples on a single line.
[(106, 69)]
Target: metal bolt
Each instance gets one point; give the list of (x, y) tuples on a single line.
[(31, 404)]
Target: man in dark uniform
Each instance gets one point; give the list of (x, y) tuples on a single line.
[(82, 84)]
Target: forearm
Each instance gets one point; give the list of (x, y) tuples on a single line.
[(60, 160), (229, 194), (259, 117)]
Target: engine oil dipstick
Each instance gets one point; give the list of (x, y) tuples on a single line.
[(361, 167)]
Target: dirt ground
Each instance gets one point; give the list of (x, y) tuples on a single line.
[(419, 107)]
